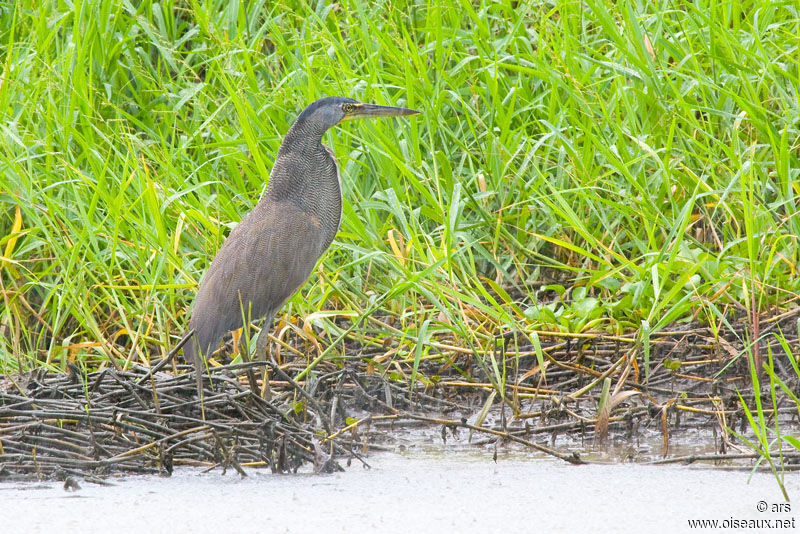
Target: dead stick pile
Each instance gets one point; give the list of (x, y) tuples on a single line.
[(95, 424), (129, 421)]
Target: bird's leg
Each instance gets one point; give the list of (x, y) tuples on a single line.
[(262, 345), (237, 337), (262, 342), (251, 376), (244, 350)]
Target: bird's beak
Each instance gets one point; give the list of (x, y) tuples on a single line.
[(365, 111)]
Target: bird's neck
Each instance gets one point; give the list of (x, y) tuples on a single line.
[(305, 172), (304, 135)]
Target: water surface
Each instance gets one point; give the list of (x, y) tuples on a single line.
[(412, 492)]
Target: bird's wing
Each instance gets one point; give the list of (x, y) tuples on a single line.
[(263, 262)]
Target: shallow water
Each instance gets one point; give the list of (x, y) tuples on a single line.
[(409, 492)]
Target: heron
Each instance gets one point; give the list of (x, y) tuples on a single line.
[(270, 254)]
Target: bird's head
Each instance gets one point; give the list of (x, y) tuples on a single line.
[(352, 110), (328, 112)]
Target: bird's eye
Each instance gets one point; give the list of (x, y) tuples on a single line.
[(347, 108)]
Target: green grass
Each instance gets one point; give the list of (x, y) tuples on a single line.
[(638, 159), (768, 440)]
